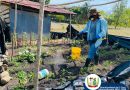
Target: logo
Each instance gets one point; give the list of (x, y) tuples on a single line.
[(93, 82)]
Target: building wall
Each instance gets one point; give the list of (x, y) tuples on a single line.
[(4, 13), (28, 22)]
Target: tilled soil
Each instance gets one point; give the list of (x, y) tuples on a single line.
[(57, 63)]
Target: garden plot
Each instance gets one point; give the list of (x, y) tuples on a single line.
[(68, 71), (57, 59)]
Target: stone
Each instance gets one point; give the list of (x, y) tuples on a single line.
[(5, 77)]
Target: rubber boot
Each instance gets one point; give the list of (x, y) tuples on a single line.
[(96, 59), (88, 60)]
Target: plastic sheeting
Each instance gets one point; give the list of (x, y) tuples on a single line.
[(121, 72), (122, 41)]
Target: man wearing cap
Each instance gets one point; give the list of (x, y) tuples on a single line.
[(96, 29)]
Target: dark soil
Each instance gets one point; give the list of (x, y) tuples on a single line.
[(63, 68)]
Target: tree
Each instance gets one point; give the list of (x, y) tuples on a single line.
[(104, 14), (125, 21), (82, 13), (60, 18), (47, 1), (110, 19), (76, 10), (118, 11)]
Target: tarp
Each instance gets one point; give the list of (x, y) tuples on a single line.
[(121, 72), (121, 40)]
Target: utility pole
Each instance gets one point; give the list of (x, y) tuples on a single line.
[(39, 40)]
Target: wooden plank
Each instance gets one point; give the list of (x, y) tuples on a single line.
[(5, 13), (4, 8)]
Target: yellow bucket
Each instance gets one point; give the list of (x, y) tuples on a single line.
[(75, 53)]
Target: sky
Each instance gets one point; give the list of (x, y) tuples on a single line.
[(107, 8)]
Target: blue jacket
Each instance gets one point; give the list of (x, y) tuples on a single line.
[(101, 28)]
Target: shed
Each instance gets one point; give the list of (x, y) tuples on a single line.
[(27, 16)]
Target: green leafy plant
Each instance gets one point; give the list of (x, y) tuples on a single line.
[(31, 76), (26, 56), (18, 88), (76, 43), (107, 63), (24, 36), (14, 63), (64, 73), (22, 77), (83, 70), (51, 75)]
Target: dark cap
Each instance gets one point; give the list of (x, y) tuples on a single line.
[(94, 11)]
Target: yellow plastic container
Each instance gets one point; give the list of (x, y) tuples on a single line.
[(75, 53)]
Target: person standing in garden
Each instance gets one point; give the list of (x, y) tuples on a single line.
[(96, 29), (4, 36)]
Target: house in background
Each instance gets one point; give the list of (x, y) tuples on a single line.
[(27, 16)]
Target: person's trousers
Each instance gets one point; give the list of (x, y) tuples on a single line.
[(3, 48), (92, 51)]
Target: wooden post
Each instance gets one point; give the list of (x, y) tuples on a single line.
[(30, 39), (107, 38), (39, 41), (15, 23), (0, 7), (22, 40), (12, 45), (70, 28)]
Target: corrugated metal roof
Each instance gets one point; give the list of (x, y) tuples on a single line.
[(36, 5)]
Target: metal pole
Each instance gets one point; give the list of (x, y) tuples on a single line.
[(39, 41)]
